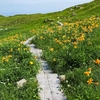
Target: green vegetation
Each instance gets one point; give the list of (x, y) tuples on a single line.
[(72, 50), (16, 63)]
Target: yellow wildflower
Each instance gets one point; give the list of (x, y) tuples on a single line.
[(11, 49), (35, 57), (64, 41), (3, 59), (89, 69), (90, 81), (81, 38), (68, 40), (75, 46), (51, 49), (75, 43), (87, 73), (54, 59), (96, 25), (41, 37), (64, 36), (19, 45), (25, 49), (31, 63), (97, 61), (18, 49), (96, 83), (9, 56), (6, 60)]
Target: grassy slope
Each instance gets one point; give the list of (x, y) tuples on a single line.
[(23, 24), (36, 20)]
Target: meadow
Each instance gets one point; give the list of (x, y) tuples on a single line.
[(72, 50), (16, 63)]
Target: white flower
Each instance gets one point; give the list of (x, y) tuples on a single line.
[(68, 85)]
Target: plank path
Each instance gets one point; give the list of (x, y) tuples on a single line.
[(47, 80)]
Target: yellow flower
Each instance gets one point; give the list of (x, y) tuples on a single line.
[(25, 49), (9, 56), (80, 38), (64, 41), (19, 45), (89, 69), (6, 60), (60, 42), (41, 37), (54, 59), (90, 81), (96, 83), (11, 49), (31, 63), (75, 46), (96, 25), (51, 49), (35, 57), (18, 49), (64, 36), (97, 61), (87, 73), (68, 40), (3, 59), (75, 43)]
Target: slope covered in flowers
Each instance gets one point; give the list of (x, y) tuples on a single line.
[(17, 63), (74, 50)]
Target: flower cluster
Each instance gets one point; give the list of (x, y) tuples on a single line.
[(90, 80), (97, 61), (87, 73), (6, 58)]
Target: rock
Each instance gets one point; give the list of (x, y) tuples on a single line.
[(21, 83), (52, 23), (6, 28), (62, 77), (73, 14), (71, 9), (77, 6), (1, 29), (81, 7)]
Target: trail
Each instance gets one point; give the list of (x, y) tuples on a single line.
[(47, 80)]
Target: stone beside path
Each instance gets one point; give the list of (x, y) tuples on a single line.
[(48, 81)]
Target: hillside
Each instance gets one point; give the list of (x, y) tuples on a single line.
[(74, 13), (71, 49)]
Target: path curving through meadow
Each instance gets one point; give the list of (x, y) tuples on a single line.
[(47, 80)]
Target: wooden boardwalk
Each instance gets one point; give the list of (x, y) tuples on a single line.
[(48, 81)]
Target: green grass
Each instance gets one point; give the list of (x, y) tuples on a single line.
[(70, 50)]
